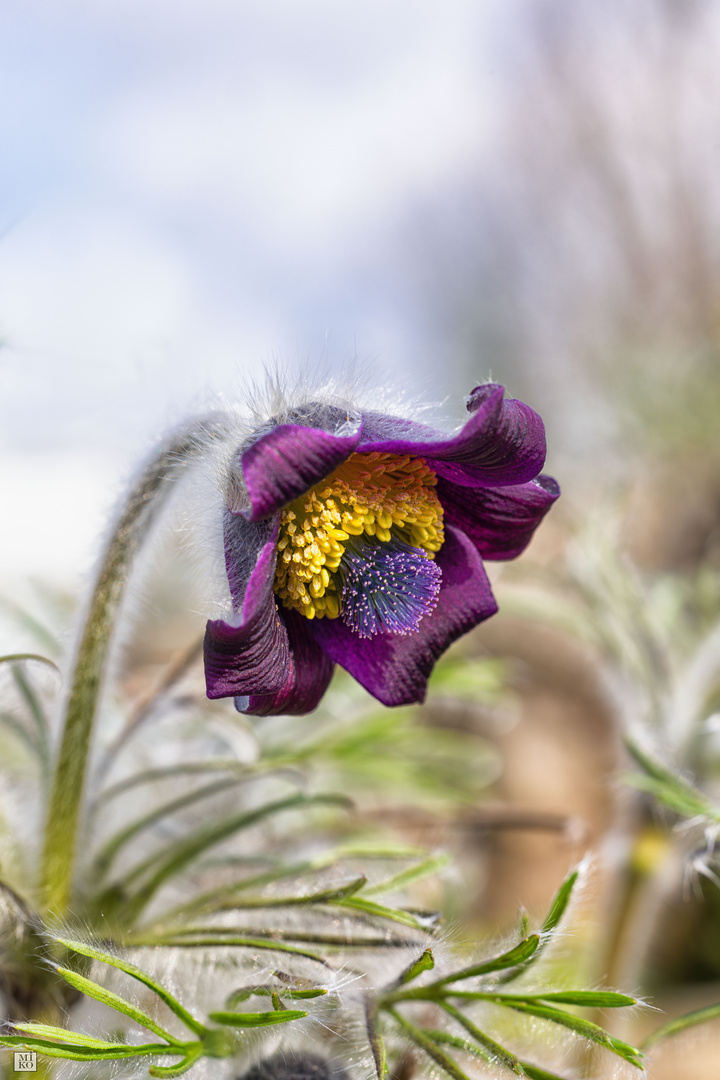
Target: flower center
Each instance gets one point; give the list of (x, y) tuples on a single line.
[(360, 543)]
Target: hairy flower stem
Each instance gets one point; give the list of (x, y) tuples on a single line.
[(145, 500)]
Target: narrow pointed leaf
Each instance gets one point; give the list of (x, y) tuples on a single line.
[(256, 1019), (195, 941), (534, 1072), (425, 963), (169, 1071), (80, 1052), (114, 1001), (267, 991), (438, 1055), (581, 1027), (422, 869), (595, 999), (509, 959), (253, 935), (552, 921), (446, 1039), (667, 785), (585, 998), (377, 1043), (168, 772), (136, 973), (27, 737), (379, 910), (185, 851), (681, 1023), (341, 892), (675, 796), (497, 1052), (17, 658), (116, 843), (48, 1031), (35, 708), (560, 902)]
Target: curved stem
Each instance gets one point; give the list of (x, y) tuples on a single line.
[(139, 513)]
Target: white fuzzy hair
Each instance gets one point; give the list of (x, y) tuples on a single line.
[(310, 396)]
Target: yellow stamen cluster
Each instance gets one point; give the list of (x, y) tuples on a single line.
[(380, 495)]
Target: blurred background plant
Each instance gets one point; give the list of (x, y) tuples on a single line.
[(525, 187), (184, 846)]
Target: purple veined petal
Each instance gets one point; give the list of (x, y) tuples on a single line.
[(287, 461), (502, 443), (499, 521), (395, 668), (243, 541), (252, 657), (311, 671)]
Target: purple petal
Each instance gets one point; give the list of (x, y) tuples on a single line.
[(499, 521), (395, 668), (243, 542), (287, 461), (254, 656), (311, 672), (502, 443)]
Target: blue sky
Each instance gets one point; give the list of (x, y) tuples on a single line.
[(190, 190)]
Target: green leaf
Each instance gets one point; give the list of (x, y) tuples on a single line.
[(19, 658), (497, 1052), (438, 1055), (27, 737), (107, 854), (188, 768), (377, 1043), (445, 1038), (517, 955), (667, 785), (553, 919), (424, 963), (681, 1023), (560, 902), (201, 941), (47, 1031), (136, 973), (168, 1071), (673, 795), (422, 869), (246, 992), (596, 999), (379, 910), (38, 630), (81, 1052), (534, 1072), (585, 998), (35, 708), (256, 1019), (340, 892), (187, 850), (581, 1027), (114, 1001)]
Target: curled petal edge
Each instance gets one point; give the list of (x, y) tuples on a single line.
[(500, 522), (252, 655), (287, 462)]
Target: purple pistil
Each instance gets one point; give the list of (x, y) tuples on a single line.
[(386, 587)]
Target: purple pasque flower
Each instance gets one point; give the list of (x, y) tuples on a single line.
[(358, 538)]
